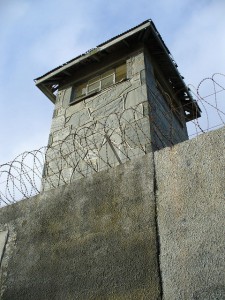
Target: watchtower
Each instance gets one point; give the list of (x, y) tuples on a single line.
[(121, 100)]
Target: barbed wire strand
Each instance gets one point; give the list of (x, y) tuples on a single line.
[(109, 141)]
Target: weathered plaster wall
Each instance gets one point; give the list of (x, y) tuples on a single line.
[(191, 217), (93, 239)]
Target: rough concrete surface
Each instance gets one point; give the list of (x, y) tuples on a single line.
[(93, 239), (191, 217), (97, 238)]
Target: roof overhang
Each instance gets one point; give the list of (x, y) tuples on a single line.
[(145, 33)]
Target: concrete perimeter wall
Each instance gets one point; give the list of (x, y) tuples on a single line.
[(191, 217), (92, 239), (152, 228)]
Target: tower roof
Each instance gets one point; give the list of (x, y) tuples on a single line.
[(145, 33)]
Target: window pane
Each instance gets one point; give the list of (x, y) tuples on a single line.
[(110, 72), (121, 73), (94, 87), (107, 81), (80, 90), (97, 78)]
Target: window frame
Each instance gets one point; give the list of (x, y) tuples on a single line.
[(87, 84)]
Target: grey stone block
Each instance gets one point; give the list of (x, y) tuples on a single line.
[(61, 111), (138, 63), (136, 77), (127, 116), (107, 96), (79, 118), (70, 110), (93, 141), (57, 123), (107, 157), (109, 123), (141, 110), (135, 97), (52, 153), (114, 106), (58, 102), (129, 68), (77, 174), (66, 176), (136, 152), (55, 166), (61, 134), (65, 97), (88, 166), (84, 130), (143, 76), (137, 133)]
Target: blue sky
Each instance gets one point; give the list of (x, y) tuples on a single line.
[(37, 36)]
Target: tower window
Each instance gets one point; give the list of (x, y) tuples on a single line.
[(98, 83)]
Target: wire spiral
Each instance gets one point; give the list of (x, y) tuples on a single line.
[(113, 140)]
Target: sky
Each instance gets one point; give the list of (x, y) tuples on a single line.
[(37, 36)]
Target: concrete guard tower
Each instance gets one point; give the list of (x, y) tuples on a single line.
[(121, 100)]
